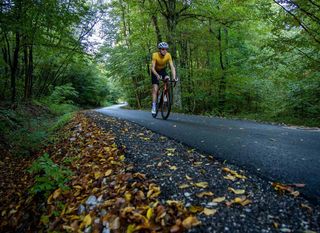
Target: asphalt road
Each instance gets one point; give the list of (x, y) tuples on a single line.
[(277, 153)]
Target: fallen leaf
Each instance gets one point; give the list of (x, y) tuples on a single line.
[(197, 163), (173, 167), (149, 213), (87, 220), (183, 186), (115, 224), (230, 177), (195, 209), (188, 177), (131, 228), (282, 188), (299, 185), (127, 196), (190, 221), (236, 191), (108, 172), (219, 199), (209, 212), (234, 173), (97, 175), (309, 209), (56, 193), (171, 149), (202, 194), (239, 200), (175, 229), (201, 184)]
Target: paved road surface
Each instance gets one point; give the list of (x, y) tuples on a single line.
[(277, 153)]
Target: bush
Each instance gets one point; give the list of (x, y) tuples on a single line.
[(64, 94), (49, 176)]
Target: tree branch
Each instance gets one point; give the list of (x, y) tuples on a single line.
[(299, 22)]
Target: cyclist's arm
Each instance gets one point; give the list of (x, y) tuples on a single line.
[(153, 69), (173, 70)]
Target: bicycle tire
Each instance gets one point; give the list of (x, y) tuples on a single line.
[(166, 105)]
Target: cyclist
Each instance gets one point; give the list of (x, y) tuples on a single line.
[(160, 60)]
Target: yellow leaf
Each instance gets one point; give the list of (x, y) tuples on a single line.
[(201, 184), (97, 175), (190, 221), (208, 212), (188, 177), (74, 217), (183, 186), (237, 191), (87, 220), (202, 194), (230, 177), (154, 191), (77, 187), (49, 201), (56, 193), (127, 196), (234, 173), (218, 199), (197, 163), (171, 149), (195, 209), (239, 200), (149, 213), (122, 157), (173, 167), (131, 228), (108, 173)]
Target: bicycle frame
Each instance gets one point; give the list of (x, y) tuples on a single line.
[(165, 98)]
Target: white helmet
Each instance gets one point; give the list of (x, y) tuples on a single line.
[(163, 45)]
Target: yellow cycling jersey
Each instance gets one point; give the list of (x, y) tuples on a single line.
[(161, 61)]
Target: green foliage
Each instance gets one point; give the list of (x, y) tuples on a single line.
[(64, 94), (249, 58), (59, 109), (61, 121), (48, 176)]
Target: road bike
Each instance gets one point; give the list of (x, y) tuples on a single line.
[(165, 98)]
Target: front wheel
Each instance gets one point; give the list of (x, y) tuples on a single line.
[(166, 105)]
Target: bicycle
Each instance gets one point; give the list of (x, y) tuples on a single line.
[(165, 98)]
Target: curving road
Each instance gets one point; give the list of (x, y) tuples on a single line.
[(277, 153)]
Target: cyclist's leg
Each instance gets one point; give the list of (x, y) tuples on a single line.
[(155, 88), (154, 91)]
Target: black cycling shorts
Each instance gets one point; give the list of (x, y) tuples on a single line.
[(162, 73)]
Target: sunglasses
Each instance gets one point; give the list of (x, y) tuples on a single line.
[(164, 49)]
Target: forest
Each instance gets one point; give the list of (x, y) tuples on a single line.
[(247, 59)]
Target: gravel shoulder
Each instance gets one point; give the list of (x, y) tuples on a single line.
[(241, 202)]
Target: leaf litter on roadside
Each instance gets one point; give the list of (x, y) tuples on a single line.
[(105, 194)]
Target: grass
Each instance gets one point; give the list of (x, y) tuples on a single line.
[(31, 126)]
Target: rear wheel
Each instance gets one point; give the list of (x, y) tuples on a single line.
[(166, 105)]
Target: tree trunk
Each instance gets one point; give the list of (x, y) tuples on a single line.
[(222, 84), (14, 68), (6, 72), (156, 28), (28, 62)]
